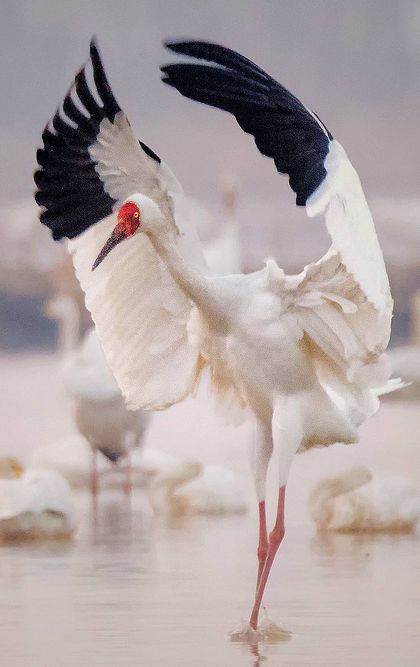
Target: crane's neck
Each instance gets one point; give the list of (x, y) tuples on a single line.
[(195, 285)]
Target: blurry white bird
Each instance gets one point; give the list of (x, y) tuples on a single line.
[(100, 412), (305, 352), (65, 311), (356, 501), (405, 363), (27, 256), (189, 487), (37, 505), (223, 252)]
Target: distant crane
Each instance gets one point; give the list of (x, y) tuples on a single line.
[(101, 415), (223, 252), (357, 501), (37, 504)]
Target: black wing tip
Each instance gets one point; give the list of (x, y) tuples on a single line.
[(71, 195), (178, 45), (150, 152), (95, 56), (168, 70), (94, 46), (187, 46), (227, 80)]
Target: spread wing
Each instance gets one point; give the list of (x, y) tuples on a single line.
[(343, 302), (90, 162)]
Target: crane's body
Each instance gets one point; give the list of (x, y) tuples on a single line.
[(304, 353), (249, 341)]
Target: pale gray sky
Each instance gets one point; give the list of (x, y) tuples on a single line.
[(356, 63)]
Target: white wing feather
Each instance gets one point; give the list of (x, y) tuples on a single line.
[(342, 303), (140, 313)]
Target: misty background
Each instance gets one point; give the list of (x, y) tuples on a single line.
[(357, 64)]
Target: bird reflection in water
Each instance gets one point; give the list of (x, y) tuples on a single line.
[(112, 520), (354, 550)]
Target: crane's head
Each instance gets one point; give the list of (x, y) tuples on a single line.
[(137, 213)]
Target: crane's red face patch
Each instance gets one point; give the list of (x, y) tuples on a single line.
[(128, 224), (129, 218)]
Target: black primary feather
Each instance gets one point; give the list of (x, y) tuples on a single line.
[(283, 128), (69, 188)]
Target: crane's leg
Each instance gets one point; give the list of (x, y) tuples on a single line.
[(261, 455), (128, 486), (94, 485), (287, 436)]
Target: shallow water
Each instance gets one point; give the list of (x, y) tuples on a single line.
[(132, 590)]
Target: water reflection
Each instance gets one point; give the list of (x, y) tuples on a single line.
[(259, 657), (137, 591), (356, 547)]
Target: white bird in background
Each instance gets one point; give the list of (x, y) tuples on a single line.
[(223, 252), (37, 505), (304, 352), (27, 256), (101, 415), (188, 487), (357, 501)]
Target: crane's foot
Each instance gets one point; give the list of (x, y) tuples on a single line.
[(127, 487), (268, 631)]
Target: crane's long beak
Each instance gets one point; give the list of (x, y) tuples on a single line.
[(116, 237)]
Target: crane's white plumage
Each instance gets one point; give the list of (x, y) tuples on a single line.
[(117, 304), (142, 324), (305, 352), (342, 303)]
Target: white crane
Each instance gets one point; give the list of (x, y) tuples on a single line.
[(39, 504), (100, 413), (304, 352), (189, 487), (356, 500), (223, 251)]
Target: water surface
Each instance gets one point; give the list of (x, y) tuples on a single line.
[(135, 590)]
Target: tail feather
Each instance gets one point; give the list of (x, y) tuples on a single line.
[(393, 385)]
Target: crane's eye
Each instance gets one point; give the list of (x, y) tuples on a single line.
[(136, 214)]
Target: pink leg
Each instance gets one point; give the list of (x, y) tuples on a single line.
[(262, 540), (274, 541), (261, 454), (94, 485), (128, 486)]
